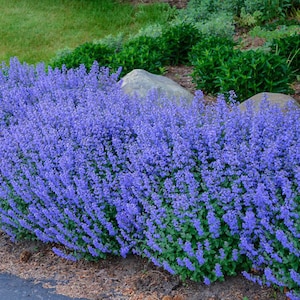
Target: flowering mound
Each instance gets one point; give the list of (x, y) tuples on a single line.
[(203, 191)]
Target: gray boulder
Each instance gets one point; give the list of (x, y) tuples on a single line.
[(140, 82), (273, 98)]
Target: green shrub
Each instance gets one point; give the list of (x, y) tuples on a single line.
[(141, 53), (153, 53), (270, 9), (84, 54), (177, 41), (220, 69), (201, 10), (211, 17), (288, 48), (219, 24), (206, 57)]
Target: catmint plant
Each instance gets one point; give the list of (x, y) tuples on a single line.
[(203, 191)]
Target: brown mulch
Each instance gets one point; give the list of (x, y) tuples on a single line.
[(133, 278)]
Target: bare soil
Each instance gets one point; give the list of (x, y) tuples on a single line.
[(133, 278)]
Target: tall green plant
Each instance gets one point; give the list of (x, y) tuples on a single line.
[(140, 53), (270, 9), (289, 48), (178, 40)]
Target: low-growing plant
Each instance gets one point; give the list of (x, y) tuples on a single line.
[(245, 12), (207, 55), (177, 41), (295, 12), (48, 196), (271, 10), (249, 20), (203, 191), (288, 48), (277, 24), (278, 33), (220, 70), (201, 10), (84, 54), (143, 52), (220, 24)]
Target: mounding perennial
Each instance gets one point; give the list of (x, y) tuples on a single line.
[(204, 191)]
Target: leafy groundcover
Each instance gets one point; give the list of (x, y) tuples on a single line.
[(202, 191)]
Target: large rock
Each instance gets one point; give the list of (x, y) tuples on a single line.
[(273, 98), (141, 82)]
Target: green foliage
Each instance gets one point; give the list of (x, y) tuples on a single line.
[(211, 17), (157, 12), (206, 57), (269, 9), (171, 46), (141, 53), (19, 231), (278, 33), (177, 41), (112, 41), (153, 30), (84, 54), (288, 48), (219, 24), (249, 20), (201, 10), (245, 12), (221, 68), (170, 239), (295, 12)]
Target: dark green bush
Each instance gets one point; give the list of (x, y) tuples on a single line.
[(206, 57), (220, 48), (153, 53), (221, 68), (85, 54), (178, 40), (288, 48), (140, 53)]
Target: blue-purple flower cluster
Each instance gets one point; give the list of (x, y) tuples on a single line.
[(202, 191)]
